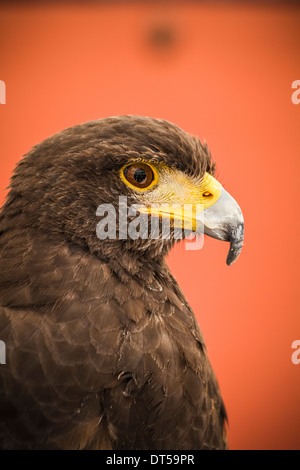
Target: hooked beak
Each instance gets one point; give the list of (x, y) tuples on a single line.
[(224, 221), (204, 207)]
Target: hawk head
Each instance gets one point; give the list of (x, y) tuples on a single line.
[(144, 163)]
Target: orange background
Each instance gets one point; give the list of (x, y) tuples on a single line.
[(222, 72)]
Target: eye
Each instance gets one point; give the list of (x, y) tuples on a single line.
[(139, 175)]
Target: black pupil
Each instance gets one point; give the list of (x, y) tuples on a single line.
[(140, 175)]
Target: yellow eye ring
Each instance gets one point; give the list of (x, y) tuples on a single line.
[(139, 176)]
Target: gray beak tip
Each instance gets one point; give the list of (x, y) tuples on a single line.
[(236, 244), (230, 259)]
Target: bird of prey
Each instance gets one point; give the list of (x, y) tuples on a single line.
[(102, 349)]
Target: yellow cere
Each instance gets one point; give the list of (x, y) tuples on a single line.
[(174, 195)]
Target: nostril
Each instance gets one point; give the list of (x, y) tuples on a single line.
[(207, 194)]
